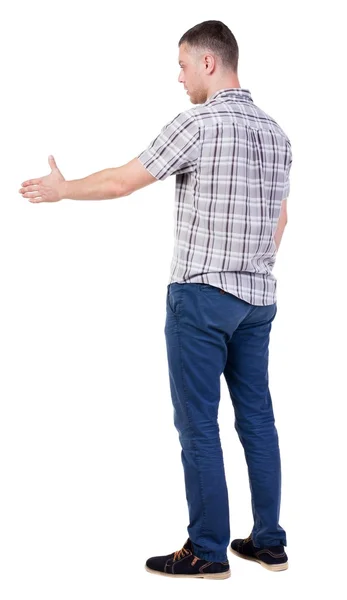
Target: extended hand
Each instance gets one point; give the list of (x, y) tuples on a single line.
[(45, 189)]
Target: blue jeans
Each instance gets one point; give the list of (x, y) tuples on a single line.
[(209, 332)]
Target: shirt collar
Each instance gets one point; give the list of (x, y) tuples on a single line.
[(239, 94)]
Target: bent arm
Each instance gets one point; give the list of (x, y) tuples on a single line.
[(282, 222)]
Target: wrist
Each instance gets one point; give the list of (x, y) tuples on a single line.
[(64, 190)]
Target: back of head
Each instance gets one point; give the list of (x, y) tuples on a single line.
[(216, 37), (209, 55)]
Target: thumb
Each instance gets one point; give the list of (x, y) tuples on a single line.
[(52, 162)]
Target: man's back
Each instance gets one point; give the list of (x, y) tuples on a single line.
[(232, 164)]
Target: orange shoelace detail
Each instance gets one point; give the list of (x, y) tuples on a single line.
[(180, 553), (247, 539)]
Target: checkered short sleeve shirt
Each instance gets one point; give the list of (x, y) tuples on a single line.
[(232, 165)]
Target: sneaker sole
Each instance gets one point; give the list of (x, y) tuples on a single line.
[(198, 575), (279, 567)]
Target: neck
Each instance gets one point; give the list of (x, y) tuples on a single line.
[(229, 82)]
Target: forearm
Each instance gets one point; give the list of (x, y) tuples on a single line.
[(279, 232), (102, 185)]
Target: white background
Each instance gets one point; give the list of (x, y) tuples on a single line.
[(91, 476)]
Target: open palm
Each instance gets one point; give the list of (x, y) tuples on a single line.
[(49, 188)]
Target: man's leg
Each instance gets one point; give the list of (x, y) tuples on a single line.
[(246, 374), (196, 357)]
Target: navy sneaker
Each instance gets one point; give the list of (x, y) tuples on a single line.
[(273, 558), (183, 563)]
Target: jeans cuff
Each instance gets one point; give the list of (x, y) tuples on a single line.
[(213, 556)]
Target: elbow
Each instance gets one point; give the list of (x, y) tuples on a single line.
[(283, 220), (122, 191)]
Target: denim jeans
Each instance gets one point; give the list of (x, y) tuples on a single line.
[(209, 332)]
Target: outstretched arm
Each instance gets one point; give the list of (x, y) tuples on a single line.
[(109, 183), (102, 185)]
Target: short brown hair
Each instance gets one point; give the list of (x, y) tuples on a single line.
[(217, 37)]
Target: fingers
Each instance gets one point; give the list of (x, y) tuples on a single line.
[(31, 182), (29, 188), (30, 194)]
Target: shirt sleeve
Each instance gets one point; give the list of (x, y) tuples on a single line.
[(175, 150), (286, 189)]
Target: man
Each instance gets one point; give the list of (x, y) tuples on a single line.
[(232, 164)]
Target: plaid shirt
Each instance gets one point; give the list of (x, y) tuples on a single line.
[(232, 164)]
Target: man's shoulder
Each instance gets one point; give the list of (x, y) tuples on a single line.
[(201, 114), (187, 115), (269, 121), (186, 118)]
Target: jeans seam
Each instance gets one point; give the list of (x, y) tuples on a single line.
[(193, 440)]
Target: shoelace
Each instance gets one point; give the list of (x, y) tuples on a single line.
[(180, 553), (247, 539)]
